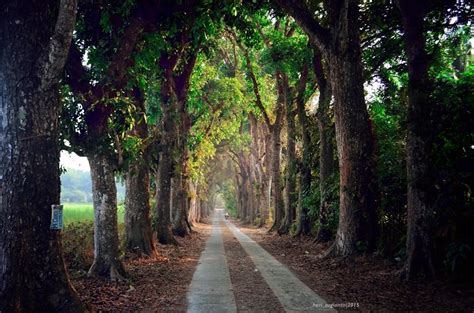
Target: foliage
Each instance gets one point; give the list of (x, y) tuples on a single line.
[(453, 159), (236, 38), (228, 192), (388, 116), (313, 200)]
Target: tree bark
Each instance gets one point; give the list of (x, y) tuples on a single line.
[(165, 173), (277, 195), (175, 87), (138, 231), (267, 179), (419, 138), (291, 195), (340, 45), (180, 222), (193, 206), (304, 226), (275, 130), (107, 261), (355, 153), (33, 276), (253, 196), (326, 148)]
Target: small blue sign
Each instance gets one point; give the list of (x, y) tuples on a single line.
[(56, 216)]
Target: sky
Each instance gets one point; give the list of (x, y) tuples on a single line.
[(73, 161)]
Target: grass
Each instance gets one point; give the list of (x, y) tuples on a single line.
[(83, 212)]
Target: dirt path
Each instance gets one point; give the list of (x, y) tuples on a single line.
[(154, 284), (211, 289), (362, 283)]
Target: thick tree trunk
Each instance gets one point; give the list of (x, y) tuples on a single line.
[(167, 164), (266, 180), (252, 194), (291, 195), (33, 276), (340, 45), (357, 221), (354, 142), (304, 226), (275, 130), (277, 195), (165, 172), (326, 163), (326, 148), (244, 197), (239, 196), (180, 222), (138, 232), (180, 85), (181, 225), (194, 214), (107, 261), (419, 205)]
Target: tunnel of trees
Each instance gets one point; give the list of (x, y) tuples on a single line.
[(348, 121)]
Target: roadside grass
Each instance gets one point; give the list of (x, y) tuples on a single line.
[(84, 212)]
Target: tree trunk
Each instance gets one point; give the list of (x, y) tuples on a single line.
[(354, 142), (353, 135), (167, 163), (304, 226), (326, 149), (138, 232), (340, 45), (194, 212), (419, 138), (33, 276), (291, 171), (180, 222), (326, 163), (266, 179), (107, 262), (239, 196), (244, 196), (165, 173), (277, 196), (253, 195), (275, 130)]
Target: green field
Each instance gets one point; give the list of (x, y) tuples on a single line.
[(81, 212)]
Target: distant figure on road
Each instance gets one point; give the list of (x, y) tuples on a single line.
[(226, 215)]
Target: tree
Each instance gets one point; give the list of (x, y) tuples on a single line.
[(111, 60), (419, 138), (138, 230), (340, 46), (174, 129), (326, 147), (35, 37), (273, 149)]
